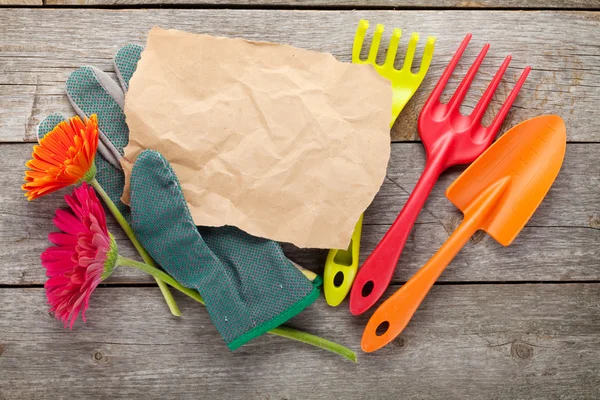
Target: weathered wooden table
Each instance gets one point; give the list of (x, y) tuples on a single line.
[(516, 322)]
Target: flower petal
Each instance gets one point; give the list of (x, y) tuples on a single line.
[(62, 239), (68, 223)]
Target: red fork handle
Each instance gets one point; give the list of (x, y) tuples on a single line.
[(376, 273)]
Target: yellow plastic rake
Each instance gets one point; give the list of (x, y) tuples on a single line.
[(341, 265)]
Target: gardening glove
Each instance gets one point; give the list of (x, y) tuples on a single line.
[(248, 284)]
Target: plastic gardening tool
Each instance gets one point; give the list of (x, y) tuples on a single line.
[(498, 193), (450, 138), (341, 265)]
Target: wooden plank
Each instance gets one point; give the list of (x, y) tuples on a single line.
[(496, 4), (539, 254), (465, 342), (21, 2), (559, 244), (38, 50)]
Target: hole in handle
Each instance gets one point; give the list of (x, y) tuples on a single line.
[(367, 288), (338, 279), (382, 328)]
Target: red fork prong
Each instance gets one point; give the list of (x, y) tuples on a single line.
[(485, 100), (439, 87), (463, 88), (497, 122)]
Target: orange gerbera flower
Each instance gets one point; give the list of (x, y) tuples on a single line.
[(64, 157)]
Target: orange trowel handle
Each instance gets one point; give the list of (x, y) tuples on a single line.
[(394, 314)]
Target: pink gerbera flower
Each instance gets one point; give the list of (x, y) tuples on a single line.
[(84, 254)]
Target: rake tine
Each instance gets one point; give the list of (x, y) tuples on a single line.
[(393, 47), (375, 44), (497, 122), (427, 55), (439, 88), (359, 38), (485, 100), (410, 53), (463, 88)]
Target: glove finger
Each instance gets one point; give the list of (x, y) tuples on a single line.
[(126, 62), (92, 91), (162, 222)]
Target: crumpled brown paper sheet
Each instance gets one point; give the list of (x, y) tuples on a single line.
[(284, 143)]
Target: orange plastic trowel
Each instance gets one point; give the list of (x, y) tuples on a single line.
[(498, 193)]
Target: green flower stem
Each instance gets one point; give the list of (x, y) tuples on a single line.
[(314, 340), (143, 253), (160, 275), (283, 331)]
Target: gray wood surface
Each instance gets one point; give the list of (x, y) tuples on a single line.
[(521, 322), (21, 2), (516, 4), (466, 341), (560, 243), (40, 48)]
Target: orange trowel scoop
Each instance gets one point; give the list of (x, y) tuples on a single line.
[(498, 193)]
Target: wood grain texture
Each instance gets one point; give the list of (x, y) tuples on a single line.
[(21, 2), (40, 47), (496, 4), (465, 342), (561, 242)]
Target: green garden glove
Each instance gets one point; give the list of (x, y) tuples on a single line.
[(248, 284)]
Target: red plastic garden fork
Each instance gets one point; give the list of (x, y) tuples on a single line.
[(450, 138)]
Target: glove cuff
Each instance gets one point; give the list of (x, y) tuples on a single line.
[(279, 319)]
